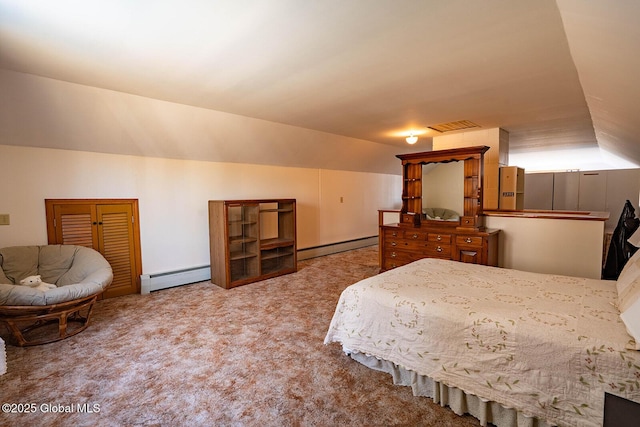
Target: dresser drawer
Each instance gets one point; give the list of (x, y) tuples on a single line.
[(393, 233), (404, 244), (400, 255), (469, 241), (439, 238), (415, 235), (437, 250), (389, 263), (396, 258)]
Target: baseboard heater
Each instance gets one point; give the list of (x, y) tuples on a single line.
[(157, 281), (170, 279), (334, 248)]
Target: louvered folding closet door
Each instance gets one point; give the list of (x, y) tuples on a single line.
[(109, 228), (115, 234), (75, 225)]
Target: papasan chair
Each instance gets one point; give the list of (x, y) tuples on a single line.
[(441, 214), (80, 274)]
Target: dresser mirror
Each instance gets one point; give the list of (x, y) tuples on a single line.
[(443, 191), (449, 180)]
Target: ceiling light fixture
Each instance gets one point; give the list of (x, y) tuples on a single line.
[(412, 139)]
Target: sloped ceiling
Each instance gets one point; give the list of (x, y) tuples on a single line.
[(554, 74), (604, 41)]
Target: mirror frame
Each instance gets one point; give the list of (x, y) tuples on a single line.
[(473, 157)]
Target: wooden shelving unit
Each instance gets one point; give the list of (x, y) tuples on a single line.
[(251, 240), (511, 188)]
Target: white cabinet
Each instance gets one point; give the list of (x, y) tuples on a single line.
[(592, 194), (566, 190), (538, 191), (603, 191)]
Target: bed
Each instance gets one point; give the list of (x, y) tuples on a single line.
[(512, 348)]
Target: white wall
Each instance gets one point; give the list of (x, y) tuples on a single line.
[(173, 197), (46, 113), (65, 140), (554, 246)]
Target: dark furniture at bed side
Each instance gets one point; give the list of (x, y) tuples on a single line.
[(620, 412)]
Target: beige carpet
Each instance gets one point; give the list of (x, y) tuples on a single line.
[(198, 355)]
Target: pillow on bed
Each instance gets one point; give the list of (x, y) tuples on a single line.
[(629, 306), (629, 295), (628, 286), (631, 319), (629, 273)]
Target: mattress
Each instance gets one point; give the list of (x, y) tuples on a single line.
[(548, 346)]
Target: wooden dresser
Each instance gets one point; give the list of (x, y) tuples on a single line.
[(417, 236), (401, 245)]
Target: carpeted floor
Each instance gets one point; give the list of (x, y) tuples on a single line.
[(198, 355)]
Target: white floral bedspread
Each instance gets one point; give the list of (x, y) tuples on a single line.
[(546, 345)]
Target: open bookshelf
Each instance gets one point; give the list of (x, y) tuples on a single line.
[(251, 240)]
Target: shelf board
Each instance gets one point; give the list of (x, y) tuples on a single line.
[(277, 210), (242, 222), (268, 273), (243, 277), (241, 239), (234, 256), (275, 243), (276, 255)]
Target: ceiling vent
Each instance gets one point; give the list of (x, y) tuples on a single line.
[(451, 126)]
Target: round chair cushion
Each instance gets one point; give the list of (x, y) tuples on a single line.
[(441, 214), (77, 271)]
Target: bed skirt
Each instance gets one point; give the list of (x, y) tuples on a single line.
[(3, 358), (460, 402)]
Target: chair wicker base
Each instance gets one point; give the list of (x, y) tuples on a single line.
[(22, 321)]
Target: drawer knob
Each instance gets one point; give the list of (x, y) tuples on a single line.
[(439, 249), (394, 234), (415, 235), (468, 240), (393, 254), (439, 238), (393, 243)]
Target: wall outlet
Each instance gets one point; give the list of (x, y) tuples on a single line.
[(4, 219)]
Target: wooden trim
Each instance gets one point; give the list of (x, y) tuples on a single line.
[(443, 156), (256, 201), (546, 214)]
